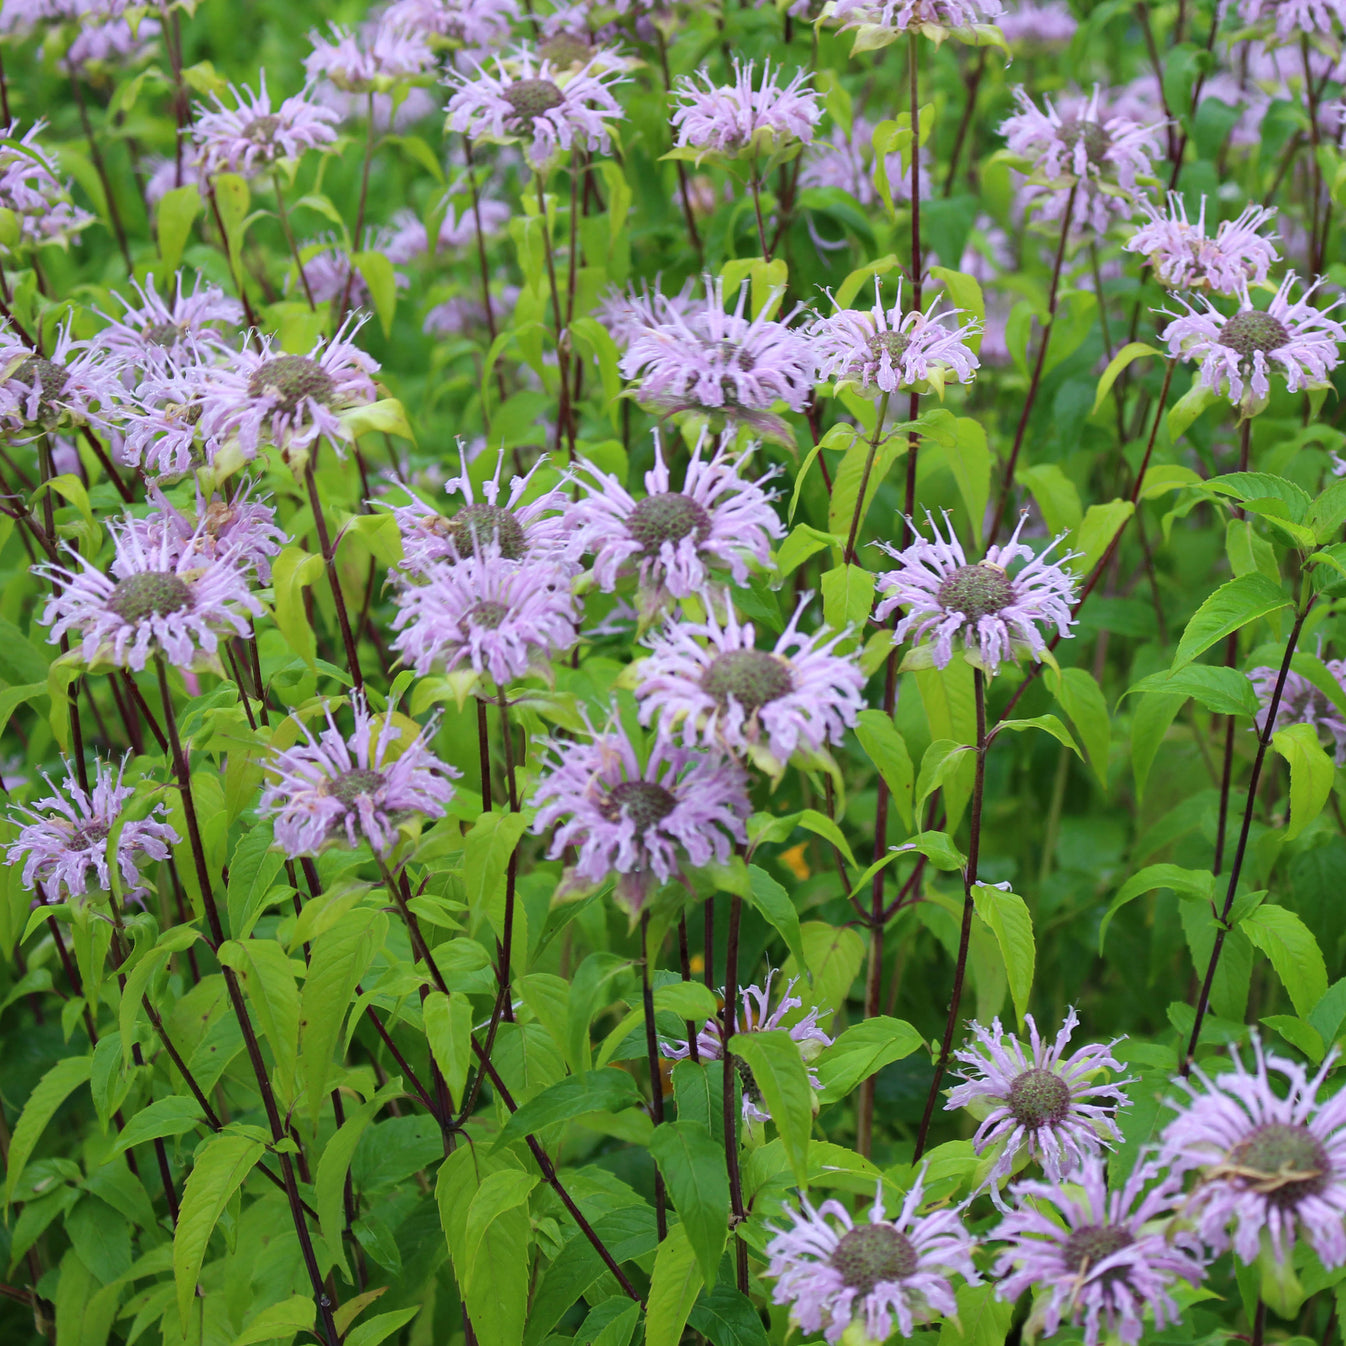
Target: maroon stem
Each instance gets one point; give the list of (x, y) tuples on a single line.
[(1236, 869), (738, 1212), (1036, 379), (656, 1076), (965, 934), (333, 579)]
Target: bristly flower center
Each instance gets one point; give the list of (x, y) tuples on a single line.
[(1091, 1243), (164, 333), (870, 1254), (530, 99), (48, 378), (352, 785), (476, 525), (892, 344), (487, 615), (292, 380), (1252, 331), (1284, 1161), (262, 130), (90, 834), (1039, 1098), (667, 517), (976, 591), (153, 593), (644, 802), (1097, 142), (751, 677)]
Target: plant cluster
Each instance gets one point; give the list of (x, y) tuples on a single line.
[(545, 734)]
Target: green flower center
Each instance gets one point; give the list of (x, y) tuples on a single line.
[(644, 802), (92, 833), (976, 591), (487, 615), (262, 130), (1091, 1243), (291, 380), (530, 98), (476, 524), (1252, 331), (873, 1253), (1097, 142), (893, 344), (667, 517), (47, 377), (1038, 1098), (155, 593), (1284, 1161), (351, 785), (751, 677), (163, 333)]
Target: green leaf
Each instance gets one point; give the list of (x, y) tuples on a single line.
[(52, 1090), (283, 1320), (887, 749), (221, 1165), (1149, 727), (380, 1327), (1293, 952), (292, 572), (137, 982), (489, 844), (848, 596), (253, 869), (982, 1319), (822, 826), (1083, 701), (268, 978), (1225, 691), (1196, 883), (772, 902), (595, 1091), (674, 1286), (1056, 495), (693, 1168), (860, 1051), (1189, 406), (1093, 537), (725, 1317), (232, 198), (1311, 774), (1231, 607), (968, 458), (1008, 916), (780, 1073), (1129, 353), (171, 1116), (382, 281), (942, 760), (176, 212), (330, 1180), (833, 956), (448, 1030), (1049, 724), (340, 957)]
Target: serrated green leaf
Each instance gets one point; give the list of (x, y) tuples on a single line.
[(1293, 952), (51, 1091), (770, 899), (860, 1051), (1312, 772), (172, 1116), (279, 1321), (674, 1286), (222, 1164), (1196, 883), (1225, 691), (1231, 607), (1011, 923), (887, 749), (693, 1167), (780, 1074), (448, 1030), (606, 1090)]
